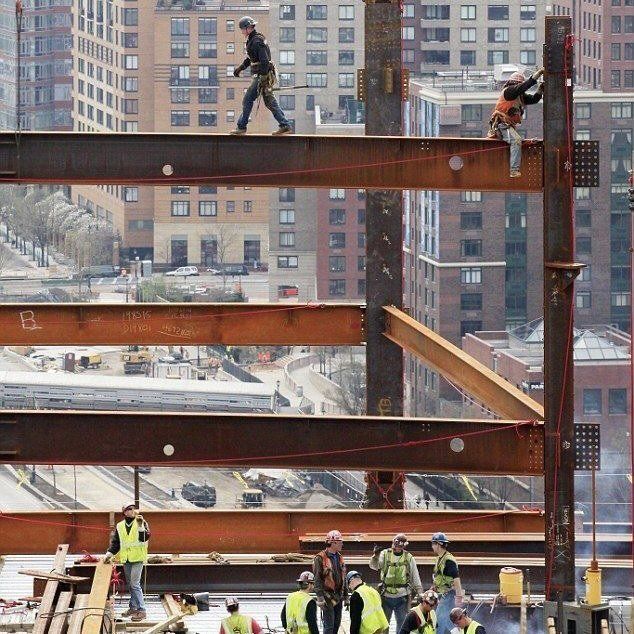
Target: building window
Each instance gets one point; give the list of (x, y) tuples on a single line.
[(582, 193), (498, 34), (208, 50), (615, 52), (207, 208), (230, 206), (470, 220), (622, 110), (583, 111), (467, 35), (287, 12), (286, 194), (619, 299), (287, 34), (471, 248), (497, 57), (287, 238), (337, 194), (361, 263), (131, 62), (131, 40), (337, 240), (435, 12), (346, 80), (617, 401), (247, 206), (584, 244), (592, 401), (316, 12), (470, 197), (337, 216), (585, 274), (498, 12), (615, 78), (346, 35), (527, 35), (207, 118), (346, 12), (408, 10), (361, 287), (287, 261), (131, 194), (468, 12), (407, 33), (470, 301), (287, 102), (336, 287), (337, 263), (182, 190), (180, 95), (287, 58), (361, 240), (528, 58), (287, 216), (317, 34), (435, 35), (180, 117), (583, 218), (471, 113), (180, 208), (130, 17), (616, 24), (469, 326), (583, 299), (316, 58), (180, 26), (471, 275), (528, 12), (467, 58), (317, 80)]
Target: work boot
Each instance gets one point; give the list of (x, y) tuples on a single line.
[(238, 131), (283, 129), (515, 174), (139, 615), (128, 612)]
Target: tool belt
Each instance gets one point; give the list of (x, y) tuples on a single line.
[(383, 588), (267, 82)]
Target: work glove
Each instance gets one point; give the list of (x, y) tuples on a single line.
[(377, 549), (537, 74), (108, 558), (540, 88), (139, 518), (238, 70)]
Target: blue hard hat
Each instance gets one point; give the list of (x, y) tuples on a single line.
[(351, 575), (441, 538)]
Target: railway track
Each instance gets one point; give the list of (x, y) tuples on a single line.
[(151, 495)]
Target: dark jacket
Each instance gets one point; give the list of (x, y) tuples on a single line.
[(519, 90), (115, 543), (339, 572), (258, 54), (356, 612)]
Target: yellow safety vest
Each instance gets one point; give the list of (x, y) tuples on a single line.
[(372, 617), (395, 571), (472, 627), (442, 582), (296, 604), (131, 548), (237, 624), (428, 622)]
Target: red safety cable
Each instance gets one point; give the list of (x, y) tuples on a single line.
[(117, 581)]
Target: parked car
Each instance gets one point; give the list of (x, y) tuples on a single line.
[(102, 270), (185, 271), (229, 269)]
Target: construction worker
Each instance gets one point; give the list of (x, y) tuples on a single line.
[(399, 576), (366, 613), (422, 619), (445, 580), (299, 614), (464, 624), (237, 623), (264, 78), (129, 544), (508, 113), (330, 582)]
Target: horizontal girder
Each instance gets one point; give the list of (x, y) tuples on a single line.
[(244, 531), (265, 161), (182, 324), (228, 440)]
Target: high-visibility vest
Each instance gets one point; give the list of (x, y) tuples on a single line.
[(510, 112), (395, 571), (237, 624), (296, 604), (472, 627), (131, 548), (328, 578), (442, 582), (428, 622), (372, 617)]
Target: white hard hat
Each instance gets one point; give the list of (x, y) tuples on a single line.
[(306, 577), (231, 601), (334, 536)]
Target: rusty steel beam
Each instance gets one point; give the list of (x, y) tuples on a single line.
[(185, 324), (228, 440), (291, 161), (242, 531), (475, 378)]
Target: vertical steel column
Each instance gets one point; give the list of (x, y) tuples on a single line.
[(559, 275), (384, 241)]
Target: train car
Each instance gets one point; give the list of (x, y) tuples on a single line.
[(39, 390)]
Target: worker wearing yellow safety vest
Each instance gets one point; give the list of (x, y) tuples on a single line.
[(129, 545), (445, 581), (237, 623), (366, 612), (399, 578), (422, 619), (299, 614), (464, 624)]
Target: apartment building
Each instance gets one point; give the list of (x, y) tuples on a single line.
[(471, 35), (604, 51), (45, 65), (168, 67), (462, 248)]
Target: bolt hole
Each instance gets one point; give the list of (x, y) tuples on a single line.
[(456, 445), (168, 450), (456, 163), (168, 170)]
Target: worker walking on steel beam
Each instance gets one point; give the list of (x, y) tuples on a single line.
[(508, 113), (329, 569), (445, 581), (237, 623), (299, 614), (129, 546), (264, 78), (366, 612), (464, 624), (399, 577), (422, 619)]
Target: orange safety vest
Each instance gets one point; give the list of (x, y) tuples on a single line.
[(329, 577), (509, 112)]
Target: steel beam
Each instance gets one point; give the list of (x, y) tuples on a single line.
[(291, 161), (242, 531), (559, 275), (384, 237), (228, 440), (475, 378), (184, 324)]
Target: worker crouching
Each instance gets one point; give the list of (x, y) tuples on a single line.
[(366, 611), (422, 619), (129, 545), (464, 624), (299, 614), (237, 623)]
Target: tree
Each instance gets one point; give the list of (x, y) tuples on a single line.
[(225, 239), (351, 395)]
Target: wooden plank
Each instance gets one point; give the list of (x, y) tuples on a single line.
[(58, 622), (48, 598), (77, 617), (55, 576), (163, 626), (172, 608), (97, 599)]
